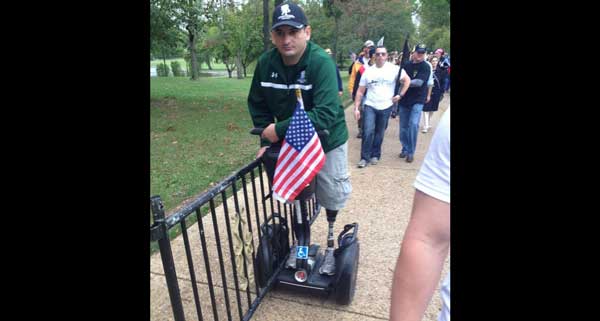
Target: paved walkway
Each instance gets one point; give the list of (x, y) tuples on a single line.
[(381, 202)]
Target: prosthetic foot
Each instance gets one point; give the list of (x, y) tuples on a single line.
[(291, 261)]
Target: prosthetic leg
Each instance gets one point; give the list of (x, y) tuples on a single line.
[(328, 266)]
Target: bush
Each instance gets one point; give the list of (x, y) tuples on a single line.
[(176, 68), (162, 70)]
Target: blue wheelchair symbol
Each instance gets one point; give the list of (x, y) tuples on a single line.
[(302, 252)]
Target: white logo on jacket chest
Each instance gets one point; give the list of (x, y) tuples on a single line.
[(274, 75), (302, 78)]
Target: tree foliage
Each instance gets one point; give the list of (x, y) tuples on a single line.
[(358, 21), (165, 36), (189, 15), (232, 31), (435, 23)]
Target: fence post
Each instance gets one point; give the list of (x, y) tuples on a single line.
[(159, 232)]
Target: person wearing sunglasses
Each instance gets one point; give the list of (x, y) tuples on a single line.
[(379, 81)]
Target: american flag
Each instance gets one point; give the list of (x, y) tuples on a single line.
[(300, 158)]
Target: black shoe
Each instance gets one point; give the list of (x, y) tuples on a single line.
[(402, 155), (409, 158)]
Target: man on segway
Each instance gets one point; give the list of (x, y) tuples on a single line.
[(297, 63)]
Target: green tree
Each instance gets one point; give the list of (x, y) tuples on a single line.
[(242, 35), (332, 11), (435, 23), (189, 14), (266, 25), (321, 25), (165, 36), (370, 19), (251, 35)]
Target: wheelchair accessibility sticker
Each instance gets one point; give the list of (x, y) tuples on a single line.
[(302, 252)]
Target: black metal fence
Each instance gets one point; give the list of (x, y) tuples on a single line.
[(218, 273)]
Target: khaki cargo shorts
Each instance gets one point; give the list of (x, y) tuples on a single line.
[(333, 180)]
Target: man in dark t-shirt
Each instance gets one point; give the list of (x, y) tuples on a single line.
[(411, 105)]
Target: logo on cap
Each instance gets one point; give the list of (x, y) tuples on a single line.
[(285, 10)]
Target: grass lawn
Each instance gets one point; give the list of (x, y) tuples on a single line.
[(199, 134)]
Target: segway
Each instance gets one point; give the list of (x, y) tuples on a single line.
[(274, 247)]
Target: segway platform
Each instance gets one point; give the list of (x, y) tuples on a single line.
[(315, 282)]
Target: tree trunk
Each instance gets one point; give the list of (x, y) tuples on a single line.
[(227, 66), (238, 65), (266, 37), (335, 38), (208, 59), (192, 48), (165, 63)]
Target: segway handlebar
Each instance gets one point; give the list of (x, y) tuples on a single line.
[(258, 131)]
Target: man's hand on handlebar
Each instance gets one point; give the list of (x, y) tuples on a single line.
[(270, 134), (261, 151)]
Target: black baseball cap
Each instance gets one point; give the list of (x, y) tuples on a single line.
[(421, 48), (289, 14)]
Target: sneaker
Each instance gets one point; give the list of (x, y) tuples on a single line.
[(291, 261), (373, 161), (328, 266), (362, 163), (402, 155), (409, 158)]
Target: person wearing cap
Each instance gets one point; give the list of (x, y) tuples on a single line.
[(339, 78), (364, 61), (368, 46), (298, 63), (380, 80), (411, 105)]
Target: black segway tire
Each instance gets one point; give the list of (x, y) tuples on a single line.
[(346, 284), (263, 264)]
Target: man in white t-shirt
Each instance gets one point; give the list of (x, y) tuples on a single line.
[(426, 241), (380, 80)]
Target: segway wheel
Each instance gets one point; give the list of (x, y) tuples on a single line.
[(263, 264), (346, 284)]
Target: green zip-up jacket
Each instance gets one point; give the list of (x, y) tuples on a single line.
[(272, 97)]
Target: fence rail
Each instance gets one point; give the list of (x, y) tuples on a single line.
[(225, 255)]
